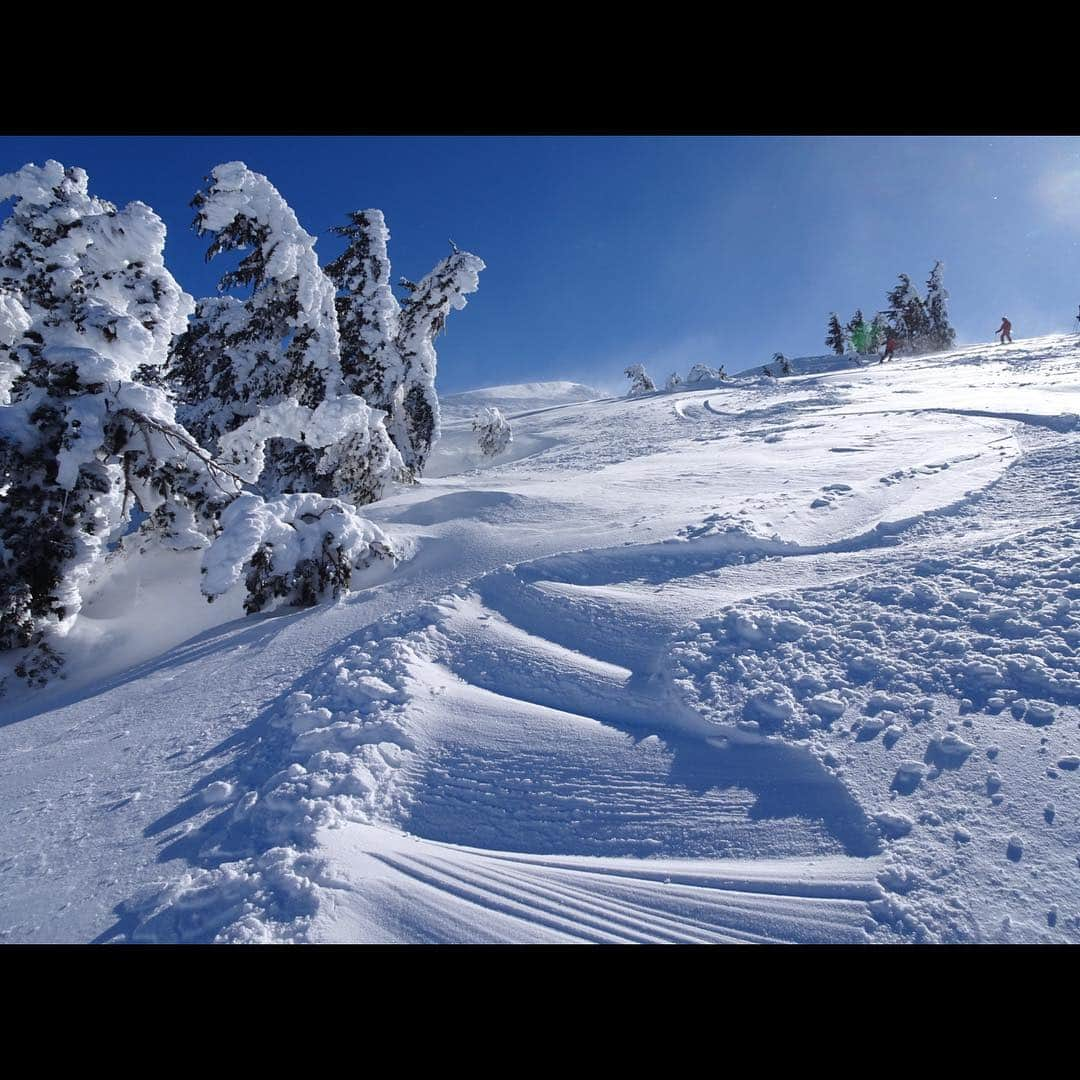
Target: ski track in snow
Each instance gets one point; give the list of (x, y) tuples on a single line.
[(654, 678)]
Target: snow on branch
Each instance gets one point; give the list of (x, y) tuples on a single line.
[(297, 549)]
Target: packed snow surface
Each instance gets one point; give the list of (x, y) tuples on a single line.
[(772, 660)]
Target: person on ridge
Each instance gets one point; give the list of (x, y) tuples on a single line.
[(1005, 329), (890, 348)]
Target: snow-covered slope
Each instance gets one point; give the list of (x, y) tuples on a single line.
[(780, 660)]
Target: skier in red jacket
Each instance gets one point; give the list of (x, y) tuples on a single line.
[(1005, 329), (890, 348)]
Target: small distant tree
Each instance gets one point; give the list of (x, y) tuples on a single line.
[(878, 330), (782, 360), (492, 431), (640, 383), (941, 334), (919, 325), (674, 381), (907, 316), (859, 332), (898, 299), (835, 338)]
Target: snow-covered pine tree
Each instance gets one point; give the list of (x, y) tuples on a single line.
[(492, 431), (87, 315), (941, 335), (918, 320), (835, 338), (674, 381), (907, 316), (414, 424), (387, 353), (264, 363), (859, 332), (640, 383), (878, 329), (368, 312), (899, 298)]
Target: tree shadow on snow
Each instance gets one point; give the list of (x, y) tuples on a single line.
[(248, 759), (249, 631)]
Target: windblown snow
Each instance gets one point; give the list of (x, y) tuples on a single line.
[(790, 659)]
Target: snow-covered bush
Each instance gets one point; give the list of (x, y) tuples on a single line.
[(388, 352), (640, 383), (275, 352), (493, 431), (701, 373), (298, 549), (87, 433)]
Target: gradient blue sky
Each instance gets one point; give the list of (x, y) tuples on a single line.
[(604, 251)]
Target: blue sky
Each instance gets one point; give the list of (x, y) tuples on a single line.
[(604, 251)]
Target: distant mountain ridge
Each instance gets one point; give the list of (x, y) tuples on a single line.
[(516, 397)]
